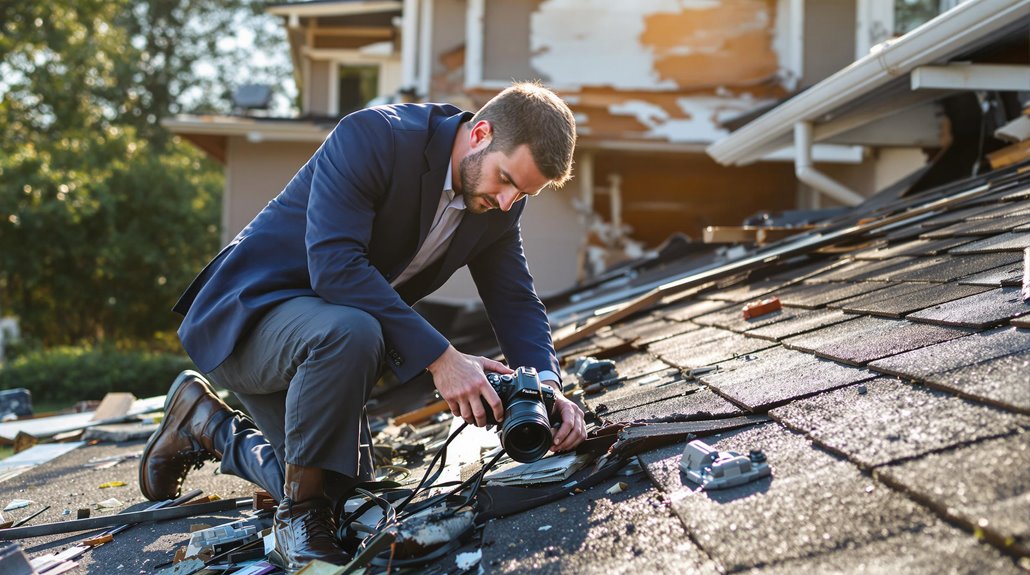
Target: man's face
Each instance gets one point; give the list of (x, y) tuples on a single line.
[(492, 180)]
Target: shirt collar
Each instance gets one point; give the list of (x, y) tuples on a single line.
[(453, 199)]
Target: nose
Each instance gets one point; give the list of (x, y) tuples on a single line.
[(507, 199)]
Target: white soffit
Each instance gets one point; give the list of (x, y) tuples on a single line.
[(932, 43), (254, 131), (343, 8)]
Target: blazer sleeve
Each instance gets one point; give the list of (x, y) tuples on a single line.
[(516, 313), (351, 172)]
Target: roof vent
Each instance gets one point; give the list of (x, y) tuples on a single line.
[(252, 97)]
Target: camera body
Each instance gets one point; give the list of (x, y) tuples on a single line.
[(526, 431)]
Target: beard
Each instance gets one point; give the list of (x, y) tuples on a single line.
[(471, 167)]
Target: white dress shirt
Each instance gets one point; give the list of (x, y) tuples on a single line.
[(449, 212)]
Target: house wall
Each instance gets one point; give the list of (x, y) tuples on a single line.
[(506, 49), (316, 90), (829, 38), (667, 193), (256, 172)]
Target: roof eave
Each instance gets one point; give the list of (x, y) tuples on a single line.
[(936, 40)]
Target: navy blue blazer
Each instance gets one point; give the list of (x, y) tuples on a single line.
[(351, 220)]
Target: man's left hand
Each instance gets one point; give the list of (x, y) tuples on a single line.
[(573, 429)]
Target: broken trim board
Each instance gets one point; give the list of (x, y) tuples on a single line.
[(50, 426)]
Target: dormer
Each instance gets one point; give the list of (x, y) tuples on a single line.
[(345, 54)]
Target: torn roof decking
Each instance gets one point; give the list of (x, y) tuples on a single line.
[(901, 370)]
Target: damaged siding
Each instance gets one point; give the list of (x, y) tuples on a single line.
[(664, 70)]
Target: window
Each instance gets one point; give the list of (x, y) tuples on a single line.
[(357, 85)]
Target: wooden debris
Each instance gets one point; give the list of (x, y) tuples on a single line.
[(114, 405), (422, 413), (751, 234), (760, 308), (1009, 155)]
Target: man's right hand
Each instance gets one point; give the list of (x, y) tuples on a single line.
[(461, 381)]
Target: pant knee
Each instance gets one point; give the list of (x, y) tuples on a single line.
[(351, 334)]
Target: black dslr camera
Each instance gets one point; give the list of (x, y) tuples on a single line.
[(526, 431)]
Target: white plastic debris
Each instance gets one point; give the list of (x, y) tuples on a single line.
[(617, 488), (18, 504), (466, 561), (543, 528), (109, 503)]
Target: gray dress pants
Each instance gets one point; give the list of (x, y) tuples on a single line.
[(304, 373)]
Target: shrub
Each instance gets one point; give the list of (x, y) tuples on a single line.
[(70, 374)]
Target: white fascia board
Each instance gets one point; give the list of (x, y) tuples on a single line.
[(939, 38), (320, 9), (822, 153), (254, 131), (962, 76)]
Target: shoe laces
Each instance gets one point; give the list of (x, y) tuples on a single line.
[(318, 524)]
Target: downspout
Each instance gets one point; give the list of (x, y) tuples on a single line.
[(804, 167)]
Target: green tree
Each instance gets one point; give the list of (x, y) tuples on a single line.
[(104, 216)]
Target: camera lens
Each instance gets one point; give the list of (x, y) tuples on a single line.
[(526, 435)]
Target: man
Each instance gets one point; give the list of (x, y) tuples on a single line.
[(302, 311)]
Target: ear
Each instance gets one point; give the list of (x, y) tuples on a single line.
[(480, 135)]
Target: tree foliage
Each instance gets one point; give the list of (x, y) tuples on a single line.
[(104, 216)]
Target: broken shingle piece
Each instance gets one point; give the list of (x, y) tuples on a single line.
[(1002, 381), (984, 485), (901, 299), (922, 363), (980, 311), (1010, 242), (893, 421)]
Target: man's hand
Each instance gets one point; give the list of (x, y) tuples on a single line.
[(461, 381), (573, 429)]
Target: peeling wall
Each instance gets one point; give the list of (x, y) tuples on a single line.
[(655, 44)]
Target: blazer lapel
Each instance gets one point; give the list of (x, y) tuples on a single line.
[(438, 156)]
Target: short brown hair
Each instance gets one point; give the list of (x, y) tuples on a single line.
[(528, 113)]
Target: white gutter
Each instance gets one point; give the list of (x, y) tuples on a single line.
[(806, 172), (931, 43), (324, 9)]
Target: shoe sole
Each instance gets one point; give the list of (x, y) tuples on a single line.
[(173, 392)]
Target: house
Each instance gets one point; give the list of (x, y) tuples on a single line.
[(887, 392), (653, 84)]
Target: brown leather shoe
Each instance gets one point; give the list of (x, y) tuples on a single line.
[(185, 438), (305, 531)]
